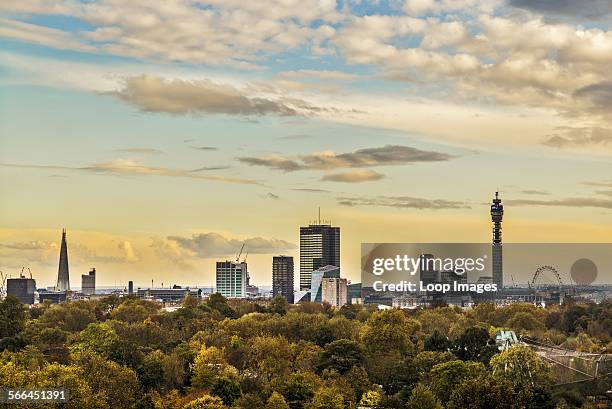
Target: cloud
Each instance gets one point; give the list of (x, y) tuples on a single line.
[(213, 32), (46, 36), (402, 202), (320, 74), (567, 202), (535, 192), (356, 176), (273, 162), (205, 148), (307, 190), (154, 94), (145, 151), (31, 245), (368, 157), (206, 245), (579, 136), (132, 167), (598, 95), (591, 9)]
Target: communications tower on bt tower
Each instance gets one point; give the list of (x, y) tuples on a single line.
[(497, 215)]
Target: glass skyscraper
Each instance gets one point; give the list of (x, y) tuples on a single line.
[(319, 247)]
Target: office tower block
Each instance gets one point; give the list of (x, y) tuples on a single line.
[(88, 282), (497, 215), (130, 287), (21, 288), (231, 279), (319, 247), (63, 276), (282, 277)]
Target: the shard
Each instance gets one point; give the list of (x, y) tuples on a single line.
[(63, 277)]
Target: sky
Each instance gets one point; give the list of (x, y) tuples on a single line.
[(165, 134)]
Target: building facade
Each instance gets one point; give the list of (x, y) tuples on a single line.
[(319, 247), (282, 277), (231, 279), (334, 291), (316, 294), (21, 288), (88, 282)]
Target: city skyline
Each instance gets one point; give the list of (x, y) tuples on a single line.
[(163, 145)]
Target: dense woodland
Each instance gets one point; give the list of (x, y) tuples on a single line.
[(218, 353)]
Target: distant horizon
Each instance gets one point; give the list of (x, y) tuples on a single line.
[(164, 137)]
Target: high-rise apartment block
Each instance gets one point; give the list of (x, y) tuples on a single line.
[(282, 277)]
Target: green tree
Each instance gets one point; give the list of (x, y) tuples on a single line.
[(98, 337), (117, 384), (12, 317), (437, 342), (484, 392), (205, 402), (341, 356), (327, 398), (522, 367), (474, 345), (227, 388), (423, 398), (298, 388), (389, 330), (444, 376), (151, 371), (279, 305), (276, 401)]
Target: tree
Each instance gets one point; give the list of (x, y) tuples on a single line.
[(389, 330), (474, 345), (522, 367), (115, 383), (269, 357), (484, 392), (327, 398), (12, 317), (151, 371), (341, 355), (227, 388), (298, 388), (98, 337), (279, 305), (276, 401), (423, 398), (205, 402), (370, 399), (437, 342), (219, 303), (208, 364), (444, 376)]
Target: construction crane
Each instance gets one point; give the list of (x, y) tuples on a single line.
[(22, 270), (2, 283), (239, 254)]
